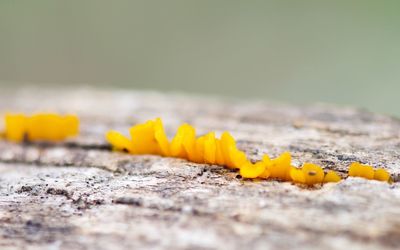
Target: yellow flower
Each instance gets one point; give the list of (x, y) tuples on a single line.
[(357, 169), (250, 170), (381, 175), (332, 176)]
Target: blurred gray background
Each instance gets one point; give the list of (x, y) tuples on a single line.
[(343, 52)]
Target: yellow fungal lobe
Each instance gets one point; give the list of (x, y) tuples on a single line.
[(119, 142), (161, 137), (143, 139), (297, 175), (332, 176), (189, 142), (15, 127), (71, 125), (357, 169), (219, 156), (42, 126), (309, 174), (176, 147), (199, 149), (313, 173), (279, 167), (227, 142), (250, 170), (210, 148), (238, 158), (381, 174)]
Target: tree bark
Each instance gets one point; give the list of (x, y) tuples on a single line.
[(80, 195)]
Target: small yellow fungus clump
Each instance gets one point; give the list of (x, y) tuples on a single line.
[(250, 170), (357, 169), (297, 175), (15, 127), (309, 174), (119, 141), (332, 176), (150, 138), (279, 167), (38, 127), (381, 175)]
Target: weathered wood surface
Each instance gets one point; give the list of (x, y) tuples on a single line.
[(80, 195)]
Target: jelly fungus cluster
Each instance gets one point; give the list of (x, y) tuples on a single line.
[(40, 127), (357, 169), (150, 138)]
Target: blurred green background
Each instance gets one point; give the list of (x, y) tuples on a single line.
[(343, 52)]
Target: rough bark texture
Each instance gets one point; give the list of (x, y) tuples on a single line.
[(80, 195)]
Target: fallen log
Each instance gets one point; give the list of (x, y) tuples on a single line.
[(79, 194)]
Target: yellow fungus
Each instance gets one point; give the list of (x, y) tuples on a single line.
[(279, 167), (199, 149), (265, 175), (250, 170), (150, 138), (71, 125), (331, 176), (219, 156), (210, 148), (40, 127), (309, 174), (227, 142), (238, 158), (15, 127), (189, 142), (381, 174), (313, 173), (297, 175), (119, 141), (177, 148), (143, 139), (161, 137), (357, 169)]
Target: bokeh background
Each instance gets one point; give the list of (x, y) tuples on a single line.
[(343, 52)]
